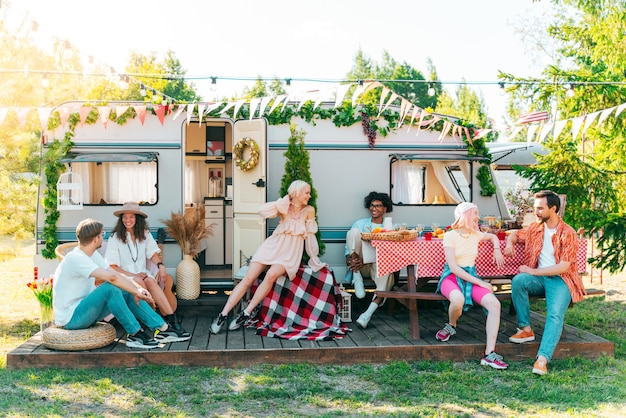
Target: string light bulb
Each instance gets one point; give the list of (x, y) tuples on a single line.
[(142, 90), (502, 90), (570, 90), (44, 80), (431, 89)]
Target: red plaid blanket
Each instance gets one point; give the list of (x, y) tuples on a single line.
[(303, 308)]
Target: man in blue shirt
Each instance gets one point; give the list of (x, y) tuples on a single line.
[(378, 204)]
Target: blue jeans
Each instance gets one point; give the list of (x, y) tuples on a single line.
[(107, 299), (558, 298)]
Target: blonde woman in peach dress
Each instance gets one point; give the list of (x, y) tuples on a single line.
[(281, 252)]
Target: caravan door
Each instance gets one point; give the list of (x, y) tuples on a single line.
[(249, 192)]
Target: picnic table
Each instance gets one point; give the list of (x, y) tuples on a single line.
[(424, 260)]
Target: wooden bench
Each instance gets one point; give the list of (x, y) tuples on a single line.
[(409, 299)]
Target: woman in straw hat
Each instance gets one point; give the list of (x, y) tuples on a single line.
[(129, 247), (459, 283)]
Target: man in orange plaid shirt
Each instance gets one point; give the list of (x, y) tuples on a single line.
[(549, 270)]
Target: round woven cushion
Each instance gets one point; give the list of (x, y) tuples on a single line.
[(96, 336)]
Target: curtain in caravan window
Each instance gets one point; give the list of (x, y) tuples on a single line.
[(439, 168), (407, 182), (196, 181), (132, 182)]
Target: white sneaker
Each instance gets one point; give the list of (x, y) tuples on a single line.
[(359, 287), (363, 320)]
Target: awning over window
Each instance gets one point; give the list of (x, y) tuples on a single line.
[(103, 157)]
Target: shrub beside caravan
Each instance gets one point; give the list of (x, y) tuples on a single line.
[(171, 164)]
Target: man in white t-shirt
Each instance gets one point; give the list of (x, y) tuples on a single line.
[(78, 303)]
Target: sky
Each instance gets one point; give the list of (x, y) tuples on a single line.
[(466, 40)]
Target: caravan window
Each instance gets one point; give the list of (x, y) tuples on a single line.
[(426, 181), (112, 179)]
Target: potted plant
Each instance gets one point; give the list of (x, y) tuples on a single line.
[(188, 230)]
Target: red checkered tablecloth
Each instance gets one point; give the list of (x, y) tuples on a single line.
[(429, 257)]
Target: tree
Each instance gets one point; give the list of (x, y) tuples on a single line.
[(591, 61), (468, 106), (32, 84), (390, 69), (167, 77), (297, 167)]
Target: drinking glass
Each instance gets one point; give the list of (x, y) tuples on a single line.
[(419, 228)]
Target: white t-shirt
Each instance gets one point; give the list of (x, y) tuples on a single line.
[(73, 282), (131, 257), (546, 256)]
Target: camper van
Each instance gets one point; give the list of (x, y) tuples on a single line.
[(175, 164)]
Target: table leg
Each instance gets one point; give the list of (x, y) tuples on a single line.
[(413, 314)]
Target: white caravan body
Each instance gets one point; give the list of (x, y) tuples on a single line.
[(344, 169)]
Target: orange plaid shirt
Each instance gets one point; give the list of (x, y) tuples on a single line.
[(565, 242)]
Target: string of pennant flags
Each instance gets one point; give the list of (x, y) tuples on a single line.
[(537, 123)]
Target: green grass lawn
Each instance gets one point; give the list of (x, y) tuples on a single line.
[(574, 386)]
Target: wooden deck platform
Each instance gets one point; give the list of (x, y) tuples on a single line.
[(386, 339)]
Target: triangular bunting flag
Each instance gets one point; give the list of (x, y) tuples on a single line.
[(514, 132), (620, 108), (277, 101), (383, 96), (467, 135), (201, 107), (481, 133), (104, 112), (444, 131), (212, 107), (264, 102), (120, 110), (405, 106), (531, 132), (178, 111), (605, 114), (64, 115), (190, 107), (84, 111), (576, 124), (357, 93), (44, 114), (227, 107), (141, 113), (160, 112), (254, 103), (3, 113), (238, 105), (308, 97), (545, 129), (589, 120), (393, 97), (342, 89), (558, 127), (413, 115), (22, 115)]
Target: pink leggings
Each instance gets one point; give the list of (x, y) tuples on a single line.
[(449, 284)]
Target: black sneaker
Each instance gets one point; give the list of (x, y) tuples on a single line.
[(174, 333), (239, 321), (218, 322), (141, 339)]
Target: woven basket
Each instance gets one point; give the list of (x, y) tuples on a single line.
[(389, 236), (96, 336), (187, 279)]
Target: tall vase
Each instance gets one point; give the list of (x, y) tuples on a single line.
[(47, 317), (187, 278)]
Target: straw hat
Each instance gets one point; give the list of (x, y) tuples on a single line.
[(130, 207)]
